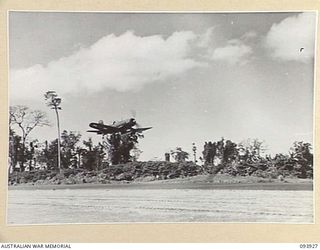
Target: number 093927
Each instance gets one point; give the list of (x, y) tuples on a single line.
[(308, 246)]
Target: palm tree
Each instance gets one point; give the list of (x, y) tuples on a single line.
[(54, 102)]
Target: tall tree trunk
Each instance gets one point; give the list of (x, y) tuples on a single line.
[(79, 160), (59, 141), (23, 153)]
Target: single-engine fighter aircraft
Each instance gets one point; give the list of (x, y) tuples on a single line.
[(123, 127)]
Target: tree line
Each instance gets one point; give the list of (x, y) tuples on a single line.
[(75, 153), (69, 151), (248, 157), (66, 151)]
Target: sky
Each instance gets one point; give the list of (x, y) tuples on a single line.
[(193, 77)]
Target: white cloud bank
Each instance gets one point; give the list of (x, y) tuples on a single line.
[(286, 38), (235, 52), (125, 62), (205, 40)]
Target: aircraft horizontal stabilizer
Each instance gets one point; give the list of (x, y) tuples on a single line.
[(141, 129), (94, 131)]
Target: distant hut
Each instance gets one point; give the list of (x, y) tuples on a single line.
[(167, 157)]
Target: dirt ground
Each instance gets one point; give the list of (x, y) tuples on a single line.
[(204, 198), (97, 205), (219, 181)]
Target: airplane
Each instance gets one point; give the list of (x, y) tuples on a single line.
[(123, 127)]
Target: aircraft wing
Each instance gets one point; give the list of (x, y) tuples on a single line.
[(104, 129), (102, 126), (109, 127), (140, 129)]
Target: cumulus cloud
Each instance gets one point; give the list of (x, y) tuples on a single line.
[(235, 52), (287, 38), (205, 39), (249, 35), (123, 63)]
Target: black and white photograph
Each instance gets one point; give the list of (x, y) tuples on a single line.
[(161, 117)]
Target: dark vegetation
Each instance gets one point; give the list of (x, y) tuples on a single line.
[(115, 157), (133, 171), (87, 164), (245, 159)]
